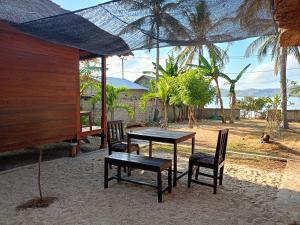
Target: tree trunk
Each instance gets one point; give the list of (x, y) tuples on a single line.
[(232, 108), (193, 116), (174, 113), (165, 115), (221, 101), (283, 87), (156, 112), (39, 173), (190, 118), (112, 114), (200, 53)]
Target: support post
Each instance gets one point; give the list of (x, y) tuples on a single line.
[(103, 102)]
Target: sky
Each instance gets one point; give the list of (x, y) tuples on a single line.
[(260, 75)]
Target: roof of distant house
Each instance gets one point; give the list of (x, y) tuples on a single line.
[(120, 82), (147, 77)]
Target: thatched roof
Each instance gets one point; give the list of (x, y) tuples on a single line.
[(85, 34), (20, 11), (287, 16)]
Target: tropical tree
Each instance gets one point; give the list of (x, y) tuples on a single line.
[(195, 91), (199, 23), (248, 11), (173, 68), (158, 18), (212, 70), (232, 93), (88, 68), (270, 44), (112, 96), (162, 93), (294, 89), (249, 103)]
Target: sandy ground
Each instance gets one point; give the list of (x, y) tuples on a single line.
[(244, 136), (248, 196)]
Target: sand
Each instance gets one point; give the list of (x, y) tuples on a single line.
[(248, 196)]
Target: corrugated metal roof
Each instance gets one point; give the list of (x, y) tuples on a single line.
[(119, 82)]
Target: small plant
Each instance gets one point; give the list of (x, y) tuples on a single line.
[(41, 201)]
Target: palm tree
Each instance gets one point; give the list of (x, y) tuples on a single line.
[(200, 23), (212, 70), (232, 93), (112, 95), (88, 68), (159, 17), (270, 44), (250, 10), (173, 68), (162, 93)]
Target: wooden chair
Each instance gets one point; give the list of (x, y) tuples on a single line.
[(116, 139), (216, 163)]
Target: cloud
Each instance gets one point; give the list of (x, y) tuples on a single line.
[(259, 79), (133, 66)]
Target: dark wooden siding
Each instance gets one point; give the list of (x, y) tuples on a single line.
[(38, 91)]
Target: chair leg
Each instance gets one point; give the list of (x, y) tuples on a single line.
[(170, 180), (138, 151), (190, 173), (221, 175), (197, 173), (105, 174), (159, 187), (215, 180)]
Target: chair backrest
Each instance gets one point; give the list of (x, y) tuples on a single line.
[(221, 146), (115, 132)]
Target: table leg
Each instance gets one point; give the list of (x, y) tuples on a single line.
[(193, 145), (150, 148), (128, 144), (175, 166)]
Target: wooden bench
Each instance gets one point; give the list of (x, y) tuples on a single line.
[(157, 165)]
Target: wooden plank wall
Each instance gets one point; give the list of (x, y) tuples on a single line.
[(38, 91)]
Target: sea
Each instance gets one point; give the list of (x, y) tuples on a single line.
[(293, 103)]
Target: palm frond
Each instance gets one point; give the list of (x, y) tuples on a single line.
[(242, 72), (255, 45), (295, 52)]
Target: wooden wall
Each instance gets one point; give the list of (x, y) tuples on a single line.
[(39, 91)]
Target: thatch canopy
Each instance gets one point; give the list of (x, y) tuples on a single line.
[(287, 16)]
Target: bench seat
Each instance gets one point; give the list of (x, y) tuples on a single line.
[(152, 164)]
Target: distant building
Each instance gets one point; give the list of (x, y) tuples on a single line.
[(132, 98), (144, 80)]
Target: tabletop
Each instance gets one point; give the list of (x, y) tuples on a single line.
[(161, 134)]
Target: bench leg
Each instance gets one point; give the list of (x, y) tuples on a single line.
[(170, 180), (128, 171), (159, 187), (119, 174), (105, 174)]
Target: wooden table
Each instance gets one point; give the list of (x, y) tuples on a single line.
[(164, 136)]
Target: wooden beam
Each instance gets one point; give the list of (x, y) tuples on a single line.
[(103, 102)]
